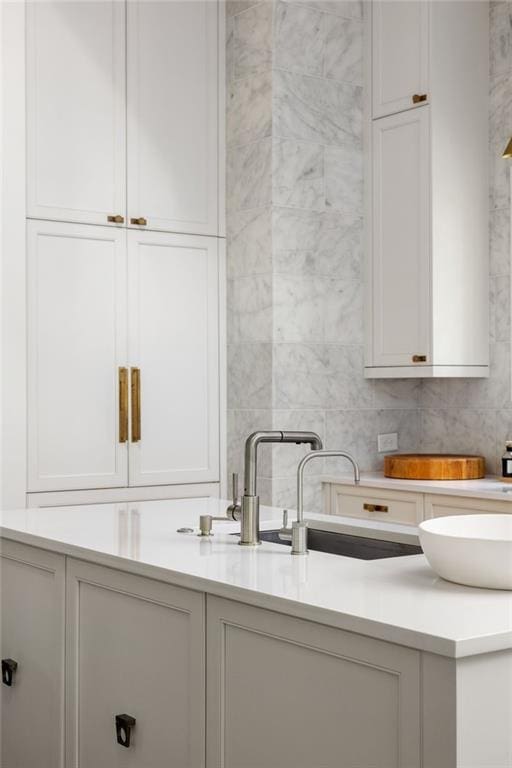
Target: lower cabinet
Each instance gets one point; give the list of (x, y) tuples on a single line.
[(135, 672), (288, 693), (32, 648)]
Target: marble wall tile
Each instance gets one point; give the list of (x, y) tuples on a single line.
[(397, 393), (499, 171), (230, 49), (249, 176), (348, 9), (503, 433), (314, 109), (249, 110), (250, 379), (299, 38), (286, 457), (406, 423), (238, 6), (344, 179), (346, 387), (249, 316), (343, 310), (299, 379), (355, 432), (253, 32), (249, 242), (298, 175), (284, 494), (453, 430), (500, 105), (500, 242), (500, 37), (500, 304), (343, 49)]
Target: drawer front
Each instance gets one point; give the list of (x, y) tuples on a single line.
[(440, 506), (364, 503)]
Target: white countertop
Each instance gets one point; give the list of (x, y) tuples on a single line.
[(487, 488), (398, 599)]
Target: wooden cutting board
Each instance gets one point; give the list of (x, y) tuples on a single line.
[(434, 466)]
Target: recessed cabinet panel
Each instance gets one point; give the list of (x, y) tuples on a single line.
[(76, 344), (32, 636), (134, 647), (401, 240), (76, 110), (173, 115), (400, 39), (174, 343)]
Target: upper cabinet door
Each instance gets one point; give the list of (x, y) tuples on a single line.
[(173, 136), (174, 342), (400, 55), (76, 344), (401, 240), (76, 111)]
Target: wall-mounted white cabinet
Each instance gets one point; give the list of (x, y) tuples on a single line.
[(123, 358), (123, 114), (427, 201)]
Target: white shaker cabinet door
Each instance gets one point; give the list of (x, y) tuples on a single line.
[(173, 134), (76, 123), (32, 636), (288, 693), (134, 647), (174, 344), (401, 306), (77, 334), (400, 55)]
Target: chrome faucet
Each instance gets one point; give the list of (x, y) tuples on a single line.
[(298, 533), (248, 512)]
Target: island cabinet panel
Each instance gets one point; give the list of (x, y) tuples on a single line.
[(32, 636), (294, 694), (133, 647)]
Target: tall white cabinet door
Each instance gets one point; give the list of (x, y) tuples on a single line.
[(76, 121), (32, 636), (76, 344), (174, 342), (401, 239), (400, 55), (173, 136), (133, 647)]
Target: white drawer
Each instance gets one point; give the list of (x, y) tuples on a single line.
[(374, 504), (440, 506)]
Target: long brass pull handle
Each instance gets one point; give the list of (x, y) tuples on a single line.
[(375, 508), (116, 219), (135, 376), (140, 221), (419, 358), (123, 405), (419, 97)]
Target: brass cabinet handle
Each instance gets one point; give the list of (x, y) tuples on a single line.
[(375, 508), (135, 387), (419, 97), (419, 358), (116, 219), (123, 405), (141, 221)]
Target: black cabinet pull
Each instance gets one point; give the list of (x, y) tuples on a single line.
[(9, 667), (124, 725)]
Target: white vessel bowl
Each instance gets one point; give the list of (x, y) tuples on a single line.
[(475, 550)]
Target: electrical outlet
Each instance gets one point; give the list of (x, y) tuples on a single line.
[(387, 443)]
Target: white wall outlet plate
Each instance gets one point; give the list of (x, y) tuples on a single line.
[(388, 442)]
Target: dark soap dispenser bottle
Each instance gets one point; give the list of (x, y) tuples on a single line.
[(506, 462)]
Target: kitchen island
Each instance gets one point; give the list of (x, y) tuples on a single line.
[(240, 657)]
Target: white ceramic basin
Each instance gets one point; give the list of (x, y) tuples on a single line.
[(470, 549)]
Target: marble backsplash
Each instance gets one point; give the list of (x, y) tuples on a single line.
[(295, 208)]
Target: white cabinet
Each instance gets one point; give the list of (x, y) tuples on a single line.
[(173, 115), (401, 241), (32, 636), (76, 121), (294, 694), (134, 647), (427, 202), (400, 51), (77, 340), (123, 358), (174, 342)]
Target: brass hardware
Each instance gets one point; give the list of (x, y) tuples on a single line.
[(141, 221), (419, 97), (419, 358), (375, 508), (123, 405), (135, 387), (508, 150), (116, 219)]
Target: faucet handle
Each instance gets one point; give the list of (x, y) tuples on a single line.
[(234, 487), (234, 510), (285, 518)]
